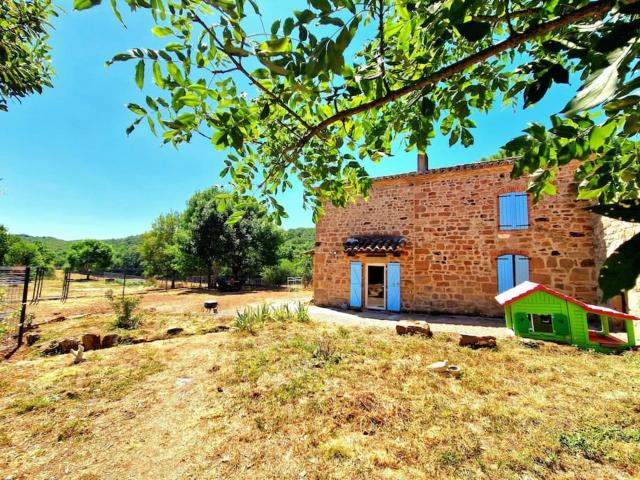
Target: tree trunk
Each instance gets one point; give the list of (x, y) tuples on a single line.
[(173, 282), (88, 275), (209, 277)]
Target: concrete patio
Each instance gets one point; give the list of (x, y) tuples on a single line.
[(439, 323)]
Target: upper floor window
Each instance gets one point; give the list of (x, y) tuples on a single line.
[(514, 211), (512, 271)]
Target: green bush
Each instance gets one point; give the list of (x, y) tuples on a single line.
[(248, 320), (302, 313), (125, 311), (277, 274)]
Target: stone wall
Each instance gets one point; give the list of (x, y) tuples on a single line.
[(609, 234), (450, 218)]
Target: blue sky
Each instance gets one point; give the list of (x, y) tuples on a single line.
[(68, 170)]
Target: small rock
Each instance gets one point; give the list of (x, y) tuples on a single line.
[(90, 341), (439, 366), (175, 330), (32, 338), (453, 371), (527, 342), (53, 348), (110, 340), (182, 381), (59, 318), (69, 344), (218, 329), (474, 341), (412, 327)]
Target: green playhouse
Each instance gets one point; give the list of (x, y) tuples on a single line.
[(538, 312)]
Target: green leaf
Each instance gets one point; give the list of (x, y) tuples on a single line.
[(140, 74), (305, 16), (621, 270), (288, 26), (190, 100), (474, 31), (187, 118), (235, 217), (84, 4), (534, 91), (276, 46), (157, 75), (322, 5), (116, 12), (137, 109), (597, 88), (277, 69), (599, 135), (626, 211), (235, 51), (160, 31)]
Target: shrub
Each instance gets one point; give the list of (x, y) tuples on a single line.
[(326, 351), (277, 274), (125, 311), (281, 313), (248, 319), (302, 312)]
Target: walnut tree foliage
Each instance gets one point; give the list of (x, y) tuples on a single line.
[(25, 66), (334, 82)]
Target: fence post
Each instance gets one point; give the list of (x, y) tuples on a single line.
[(124, 281), (23, 311)]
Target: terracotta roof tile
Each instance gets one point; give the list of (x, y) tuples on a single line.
[(456, 168), (374, 243)]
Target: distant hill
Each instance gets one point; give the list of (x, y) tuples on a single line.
[(296, 242), (60, 246)]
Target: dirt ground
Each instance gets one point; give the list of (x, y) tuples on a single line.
[(319, 401), (88, 310)]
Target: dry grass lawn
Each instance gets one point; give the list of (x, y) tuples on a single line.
[(315, 401)]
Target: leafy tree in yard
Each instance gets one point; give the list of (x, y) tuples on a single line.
[(204, 226), (222, 239), (23, 253), (4, 243), (339, 81), (160, 249), (89, 255), (25, 62)]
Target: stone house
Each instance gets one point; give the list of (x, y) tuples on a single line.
[(450, 239)]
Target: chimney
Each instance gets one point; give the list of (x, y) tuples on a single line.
[(423, 162)]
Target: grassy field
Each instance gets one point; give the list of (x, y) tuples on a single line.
[(313, 401)]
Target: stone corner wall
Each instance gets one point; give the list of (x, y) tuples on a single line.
[(609, 234)]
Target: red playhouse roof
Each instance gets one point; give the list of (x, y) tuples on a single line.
[(526, 288)]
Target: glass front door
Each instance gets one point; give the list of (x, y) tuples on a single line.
[(376, 286)]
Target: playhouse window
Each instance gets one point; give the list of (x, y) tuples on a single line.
[(512, 271), (513, 211), (541, 323)]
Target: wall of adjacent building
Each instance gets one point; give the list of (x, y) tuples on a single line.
[(609, 235), (450, 219)]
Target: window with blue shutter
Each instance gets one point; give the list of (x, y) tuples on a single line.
[(512, 271), (514, 211)]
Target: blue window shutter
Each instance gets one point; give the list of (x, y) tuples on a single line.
[(514, 211), (521, 207), (393, 287), (356, 285), (506, 220), (505, 272), (522, 269)]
